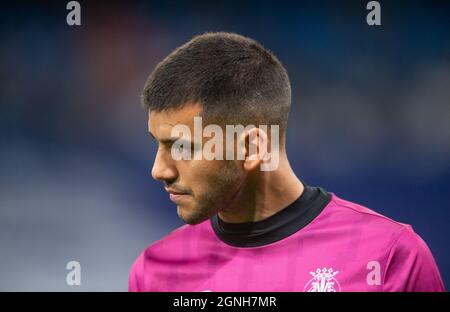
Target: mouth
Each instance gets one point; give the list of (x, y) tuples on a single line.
[(176, 196)]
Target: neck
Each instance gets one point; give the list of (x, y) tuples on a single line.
[(264, 194)]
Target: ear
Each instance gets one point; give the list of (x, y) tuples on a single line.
[(256, 141)]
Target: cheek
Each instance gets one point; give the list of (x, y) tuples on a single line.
[(200, 174), (190, 172)]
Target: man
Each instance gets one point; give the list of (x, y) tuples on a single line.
[(250, 229)]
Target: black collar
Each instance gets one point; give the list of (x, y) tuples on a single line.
[(278, 226)]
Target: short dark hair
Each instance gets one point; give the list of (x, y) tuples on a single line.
[(234, 78)]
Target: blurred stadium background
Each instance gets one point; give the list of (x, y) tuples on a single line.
[(370, 122)]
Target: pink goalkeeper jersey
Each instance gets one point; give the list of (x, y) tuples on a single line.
[(319, 243)]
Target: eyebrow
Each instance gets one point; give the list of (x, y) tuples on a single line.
[(171, 140)]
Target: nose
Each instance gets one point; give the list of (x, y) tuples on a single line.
[(164, 167)]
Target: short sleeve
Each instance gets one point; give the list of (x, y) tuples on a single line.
[(411, 266)]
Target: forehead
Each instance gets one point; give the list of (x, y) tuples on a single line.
[(159, 123)]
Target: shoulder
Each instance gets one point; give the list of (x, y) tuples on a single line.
[(173, 247), (357, 227), (179, 238), (408, 262), (359, 217)]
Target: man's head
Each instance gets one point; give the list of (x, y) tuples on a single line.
[(226, 79)]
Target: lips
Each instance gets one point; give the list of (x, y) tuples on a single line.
[(176, 196)]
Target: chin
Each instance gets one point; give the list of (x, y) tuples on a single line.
[(188, 217)]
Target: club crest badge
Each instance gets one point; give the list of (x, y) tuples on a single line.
[(324, 280)]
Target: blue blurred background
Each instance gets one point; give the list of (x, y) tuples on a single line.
[(370, 122)]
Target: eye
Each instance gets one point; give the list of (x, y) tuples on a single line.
[(184, 149)]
